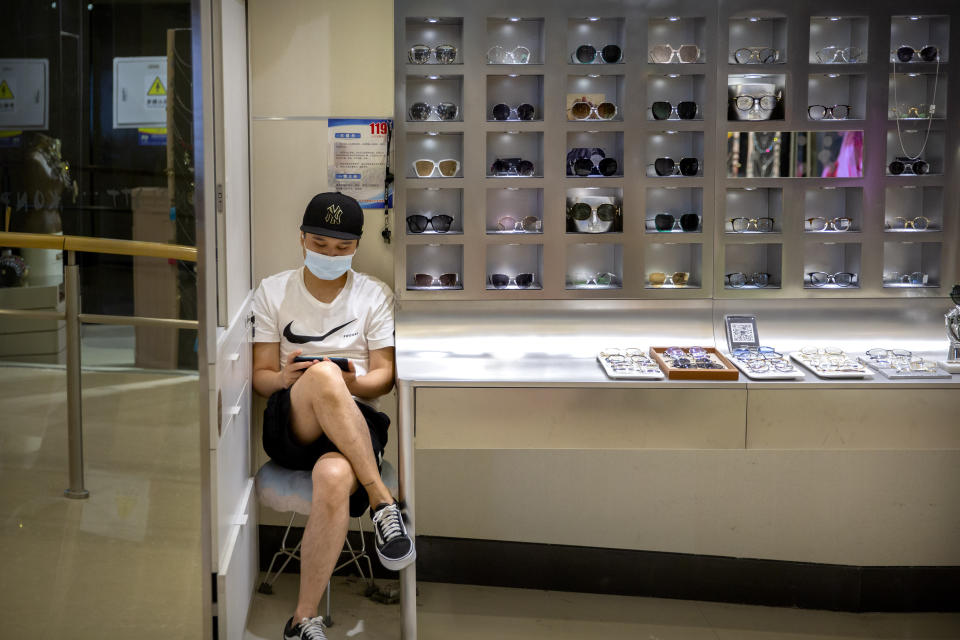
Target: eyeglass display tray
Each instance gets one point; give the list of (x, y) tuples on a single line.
[(953, 366), (628, 375), (893, 374), (729, 373), (830, 374), (796, 374)]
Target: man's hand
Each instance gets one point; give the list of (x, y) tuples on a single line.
[(350, 376), (292, 371)]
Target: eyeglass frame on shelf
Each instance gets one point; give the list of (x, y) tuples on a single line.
[(832, 279), (829, 222)]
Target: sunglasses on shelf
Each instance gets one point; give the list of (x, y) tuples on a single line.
[(443, 280), (584, 110), (841, 279), (443, 110), (918, 223), (418, 223), (589, 54), (820, 223), (522, 111), (521, 280), (582, 211), (662, 110), (584, 167), (915, 112), (667, 167), (907, 53), (512, 167), (916, 278), (664, 53), (738, 279), (509, 223), (824, 112), (667, 222), (741, 225), (916, 166), (839, 55), (756, 55), (746, 103), (447, 168), (420, 53), (603, 279), (677, 279), (501, 55)]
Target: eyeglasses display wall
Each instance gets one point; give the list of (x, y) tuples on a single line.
[(786, 152)]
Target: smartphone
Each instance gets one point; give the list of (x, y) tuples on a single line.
[(340, 362)]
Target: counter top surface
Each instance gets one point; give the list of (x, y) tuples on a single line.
[(435, 369)]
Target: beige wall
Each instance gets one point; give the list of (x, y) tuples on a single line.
[(311, 60)]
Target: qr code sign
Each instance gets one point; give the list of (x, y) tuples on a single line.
[(741, 332)]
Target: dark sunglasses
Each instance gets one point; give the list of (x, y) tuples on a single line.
[(418, 223), (427, 280), (917, 167), (662, 110), (588, 54), (502, 280), (522, 111), (585, 167), (928, 54), (665, 222), (667, 167), (444, 110), (582, 211), (511, 167)]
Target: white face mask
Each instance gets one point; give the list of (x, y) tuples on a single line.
[(327, 267)]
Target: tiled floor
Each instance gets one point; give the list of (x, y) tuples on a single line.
[(125, 562), (461, 612)]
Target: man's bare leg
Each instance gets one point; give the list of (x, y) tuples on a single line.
[(321, 403), (333, 482)]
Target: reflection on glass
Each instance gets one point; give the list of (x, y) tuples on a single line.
[(795, 154)]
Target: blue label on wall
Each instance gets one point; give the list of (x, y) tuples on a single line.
[(10, 139), (152, 137)]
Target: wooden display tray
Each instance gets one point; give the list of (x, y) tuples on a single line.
[(730, 373)]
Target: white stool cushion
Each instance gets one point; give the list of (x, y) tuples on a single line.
[(284, 489)]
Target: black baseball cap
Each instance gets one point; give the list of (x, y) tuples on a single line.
[(335, 215)]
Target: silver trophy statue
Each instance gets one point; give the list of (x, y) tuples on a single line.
[(952, 319)]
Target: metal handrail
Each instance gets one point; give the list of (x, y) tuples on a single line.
[(86, 244), (71, 286)]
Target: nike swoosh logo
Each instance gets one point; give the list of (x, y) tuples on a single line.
[(298, 339)]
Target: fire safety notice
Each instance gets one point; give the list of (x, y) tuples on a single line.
[(357, 159)]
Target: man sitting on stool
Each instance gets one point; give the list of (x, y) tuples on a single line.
[(322, 418)]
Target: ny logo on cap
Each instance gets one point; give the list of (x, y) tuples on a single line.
[(333, 214)]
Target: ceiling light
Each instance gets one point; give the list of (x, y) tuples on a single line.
[(514, 19), (433, 20), (433, 77), (673, 18), (593, 18)]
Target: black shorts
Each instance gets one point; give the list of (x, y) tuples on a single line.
[(284, 449)]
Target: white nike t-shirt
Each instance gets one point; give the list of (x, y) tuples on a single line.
[(359, 319)]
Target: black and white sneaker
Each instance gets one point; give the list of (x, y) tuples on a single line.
[(394, 544), (306, 629)]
